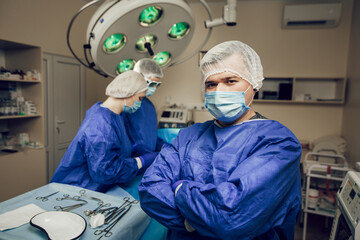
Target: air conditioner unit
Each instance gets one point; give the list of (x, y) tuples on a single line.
[(312, 15)]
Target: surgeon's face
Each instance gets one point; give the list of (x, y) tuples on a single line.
[(229, 82)]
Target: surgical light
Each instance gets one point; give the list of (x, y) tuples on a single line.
[(123, 66), (162, 58), (179, 30), (150, 16), (114, 43), (122, 32)]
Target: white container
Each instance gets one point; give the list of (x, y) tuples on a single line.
[(313, 198)]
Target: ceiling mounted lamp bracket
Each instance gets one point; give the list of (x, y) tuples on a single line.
[(229, 16)]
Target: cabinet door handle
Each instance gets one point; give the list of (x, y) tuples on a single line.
[(60, 121)]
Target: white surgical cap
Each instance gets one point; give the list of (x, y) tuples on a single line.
[(235, 57), (126, 84), (149, 68)]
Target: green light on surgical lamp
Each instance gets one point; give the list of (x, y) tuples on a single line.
[(114, 43), (127, 64)]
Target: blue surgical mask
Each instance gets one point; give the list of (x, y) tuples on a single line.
[(226, 106), (132, 108), (150, 91)]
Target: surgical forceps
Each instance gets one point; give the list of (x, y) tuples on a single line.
[(45, 198), (110, 226)]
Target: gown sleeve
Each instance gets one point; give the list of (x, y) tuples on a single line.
[(108, 160), (156, 196)]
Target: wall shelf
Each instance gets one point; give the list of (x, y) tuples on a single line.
[(27, 167), (20, 80), (300, 90), (20, 116)]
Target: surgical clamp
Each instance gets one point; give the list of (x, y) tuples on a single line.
[(67, 197), (116, 212), (110, 226), (45, 198), (96, 210)]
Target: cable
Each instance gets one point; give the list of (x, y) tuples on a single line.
[(90, 66), (207, 8)]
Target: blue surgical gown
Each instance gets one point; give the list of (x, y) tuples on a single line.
[(240, 182), (141, 126), (100, 154)]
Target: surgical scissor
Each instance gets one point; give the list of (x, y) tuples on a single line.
[(68, 208), (45, 198), (82, 194)]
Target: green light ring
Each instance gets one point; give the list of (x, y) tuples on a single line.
[(179, 37), (144, 24), (117, 50), (158, 55), (125, 61)]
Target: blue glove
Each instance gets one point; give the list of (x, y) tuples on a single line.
[(139, 149), (148, 158), (176, 184)]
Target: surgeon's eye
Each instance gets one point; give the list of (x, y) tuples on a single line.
[(209, 85), (231, 81)]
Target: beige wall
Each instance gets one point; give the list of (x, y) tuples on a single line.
[(351, 118), (288, 53)]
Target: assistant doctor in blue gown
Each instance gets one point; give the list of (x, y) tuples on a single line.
[(142, 130), (235, 177), (141, 126), (99, 157)]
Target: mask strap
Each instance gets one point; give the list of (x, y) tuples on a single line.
[(252, 96)]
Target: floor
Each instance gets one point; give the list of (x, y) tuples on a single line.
[(317, 229)]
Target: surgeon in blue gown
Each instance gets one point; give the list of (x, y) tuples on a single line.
[(141, 127), (99, 157), (234, 177)]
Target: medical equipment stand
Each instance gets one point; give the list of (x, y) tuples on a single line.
[(320, 171)]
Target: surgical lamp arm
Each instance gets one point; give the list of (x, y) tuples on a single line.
[(229, 16)]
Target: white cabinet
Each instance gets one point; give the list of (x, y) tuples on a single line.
[(25, 169), (302, 90)]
